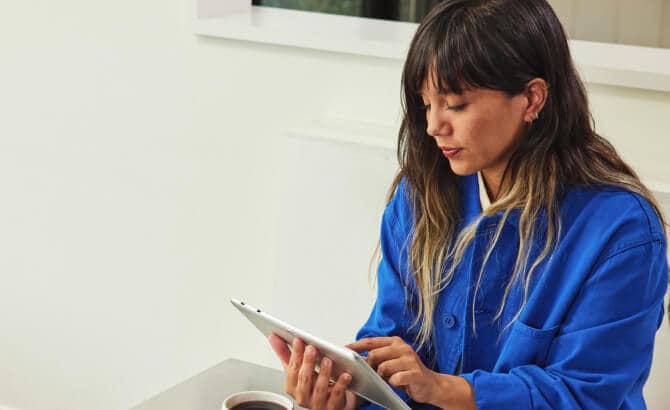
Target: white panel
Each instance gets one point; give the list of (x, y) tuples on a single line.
[(320, 31), (565, 10), (661, 191), (664, 198), (218, 8), (665, 24), (640, 22), (596, 20), (655, 391), (333, 198)]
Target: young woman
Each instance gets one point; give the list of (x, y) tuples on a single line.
[(523, 262)]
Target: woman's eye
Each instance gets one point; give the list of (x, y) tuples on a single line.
[(426, 107)]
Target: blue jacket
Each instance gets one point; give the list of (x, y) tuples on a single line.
[(586, 334)]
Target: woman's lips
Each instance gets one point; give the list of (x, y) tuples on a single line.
[(450, 152)]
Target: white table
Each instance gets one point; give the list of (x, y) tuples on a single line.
[(207, 390)]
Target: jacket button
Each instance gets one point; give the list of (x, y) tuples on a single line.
[(449, 320)]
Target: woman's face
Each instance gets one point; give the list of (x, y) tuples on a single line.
[(476, 131)]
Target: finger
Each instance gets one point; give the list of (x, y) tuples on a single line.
[(294, 366), (303, 391), (336, 399), (401, 379), (383, 354), (369, 343), (320, 392), (389, 368), (281, 350)]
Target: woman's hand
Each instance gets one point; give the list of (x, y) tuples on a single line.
[(397, 362), (309, 389)]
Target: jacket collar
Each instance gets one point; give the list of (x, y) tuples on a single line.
[(471, 206)]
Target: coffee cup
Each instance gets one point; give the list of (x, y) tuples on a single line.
[(257, 400)]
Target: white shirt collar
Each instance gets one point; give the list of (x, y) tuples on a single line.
[(484, 199)]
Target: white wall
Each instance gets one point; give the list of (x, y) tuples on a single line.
[(639, 22), (140, 169)]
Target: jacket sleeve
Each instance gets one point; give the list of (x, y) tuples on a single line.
[(390, 315), (603, 348)]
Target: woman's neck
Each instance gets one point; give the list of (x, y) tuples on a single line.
[(492, 183)]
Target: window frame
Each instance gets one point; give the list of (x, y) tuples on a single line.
[(599, 63)]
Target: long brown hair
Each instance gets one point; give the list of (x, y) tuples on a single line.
[(499, 45)]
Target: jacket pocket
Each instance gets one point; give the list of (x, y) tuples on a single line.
[(525, 345)]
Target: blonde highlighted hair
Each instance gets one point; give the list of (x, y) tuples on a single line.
[(470, 45)]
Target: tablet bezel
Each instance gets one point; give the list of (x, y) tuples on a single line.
[(365, 382)]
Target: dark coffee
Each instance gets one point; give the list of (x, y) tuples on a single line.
[(258, 405)]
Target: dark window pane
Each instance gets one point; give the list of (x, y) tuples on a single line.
[(345, 7), (401, 10)]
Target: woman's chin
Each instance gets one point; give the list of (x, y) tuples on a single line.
[(461, 169)]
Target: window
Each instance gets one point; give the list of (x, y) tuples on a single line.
[(397, 10), (633, 23), (360, 27)]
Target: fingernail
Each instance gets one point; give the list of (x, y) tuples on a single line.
[(346, 377), (325, 362)]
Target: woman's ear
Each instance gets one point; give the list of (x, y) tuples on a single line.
[(537, 91)]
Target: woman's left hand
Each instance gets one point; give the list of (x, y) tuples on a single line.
[(397, 362)]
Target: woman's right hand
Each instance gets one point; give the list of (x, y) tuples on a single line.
[(309, 389)]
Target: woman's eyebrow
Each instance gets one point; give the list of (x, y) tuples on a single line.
[(445, 93)]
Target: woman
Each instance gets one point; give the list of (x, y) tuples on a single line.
[(523, 262)]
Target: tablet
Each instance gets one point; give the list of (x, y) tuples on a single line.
[(365, 382)]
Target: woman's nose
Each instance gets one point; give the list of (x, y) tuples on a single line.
[(437, 125)]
